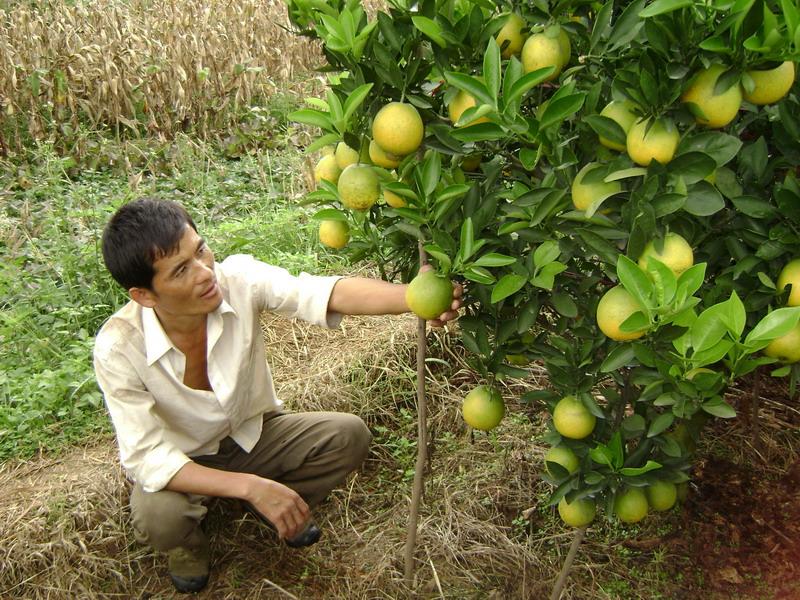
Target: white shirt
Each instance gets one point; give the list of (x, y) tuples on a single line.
[(159, 421)]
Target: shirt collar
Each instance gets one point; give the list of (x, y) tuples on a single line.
[(156, 340)]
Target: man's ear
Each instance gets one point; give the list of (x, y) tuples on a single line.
[(143, 296)]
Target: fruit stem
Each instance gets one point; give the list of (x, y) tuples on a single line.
[(422, 443), (562, 577)]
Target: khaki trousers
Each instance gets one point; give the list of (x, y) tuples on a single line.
[(310, 453)]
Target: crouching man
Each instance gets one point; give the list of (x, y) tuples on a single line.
[(183, 370)]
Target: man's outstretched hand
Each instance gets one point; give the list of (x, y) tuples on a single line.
[(284, 507)]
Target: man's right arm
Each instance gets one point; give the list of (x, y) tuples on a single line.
[(281, 505)]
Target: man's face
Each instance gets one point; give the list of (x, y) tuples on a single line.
[(184, 283)]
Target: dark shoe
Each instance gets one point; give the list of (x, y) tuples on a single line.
[(309, 535), (189, 568)]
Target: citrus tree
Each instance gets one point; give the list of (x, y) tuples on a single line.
[(616, 184)]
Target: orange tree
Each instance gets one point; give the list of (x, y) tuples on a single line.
[(648, 148)]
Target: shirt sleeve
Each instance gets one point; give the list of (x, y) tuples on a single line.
[(146, 456), (275, 289)]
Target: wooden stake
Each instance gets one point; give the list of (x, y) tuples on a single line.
[(422, 446), (562, 577)]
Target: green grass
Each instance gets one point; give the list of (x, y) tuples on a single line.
[(55, 292)]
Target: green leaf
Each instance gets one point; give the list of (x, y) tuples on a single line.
[(774, 325), (692, 166), (719, 408), (440, 255), (660, 423), (607, 128), (703, 200), (355, 99), (491, 69), (545, 277), (479, 275), (546, 253), (330, 214), (472, 85), (633, 425), (479, 132), (660, 7), (708, 328), (321, 142), (722, 147), (508, 285), (431, 29), (431, 172), (559, 109), (467, 246), (619, 357), (650, 465), (754, 207), (525, 83), (564, 305), (308, 116), (602, 455), (452, 191), (492, 259), (635, 281)]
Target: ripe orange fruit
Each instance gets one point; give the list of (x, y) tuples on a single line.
[(616, 305), (429, 295), (563, 456), (586, 194), (359, 187), (718, 109), (578, 513), (398, 129), (547, 49), (511, 31), (334, 234), (622, 114), (662, 495), (676, 254), (345, 155), (790, 275), (380, 158), (771, 85), (327, 169), (631, 505), (659, 143), (786, 348), (459, 104), (483, 408), (572, 419)]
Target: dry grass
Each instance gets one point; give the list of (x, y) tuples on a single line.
[(154, 66)]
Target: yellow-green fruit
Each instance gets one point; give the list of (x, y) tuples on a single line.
[(398, 129), (572, 419), (483, 408), (631, 505), (472, 162), (676, 254), (771, 85), (511, 31), (334, 234), (661, 495), (718, 109), (616, 305), (542, 50), (328, 150), (790, 275), (579, 513), (327, 169), (586, 194), (787, 347), (359, 187), (429, 295), (622, 114), (380, 158), (461, 102), (566, 47), (345, 156), (563, 456), (394, 200), (658, 143)]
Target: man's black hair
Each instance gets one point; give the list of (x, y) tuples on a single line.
[(138, 234)]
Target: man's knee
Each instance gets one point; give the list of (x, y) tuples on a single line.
[(358, 438), (165, 519)]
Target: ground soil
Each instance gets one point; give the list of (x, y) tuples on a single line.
[(740, 527)]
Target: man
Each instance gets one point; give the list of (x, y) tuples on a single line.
[(184, 375)]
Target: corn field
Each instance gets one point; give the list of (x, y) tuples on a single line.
[(139, 67)]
